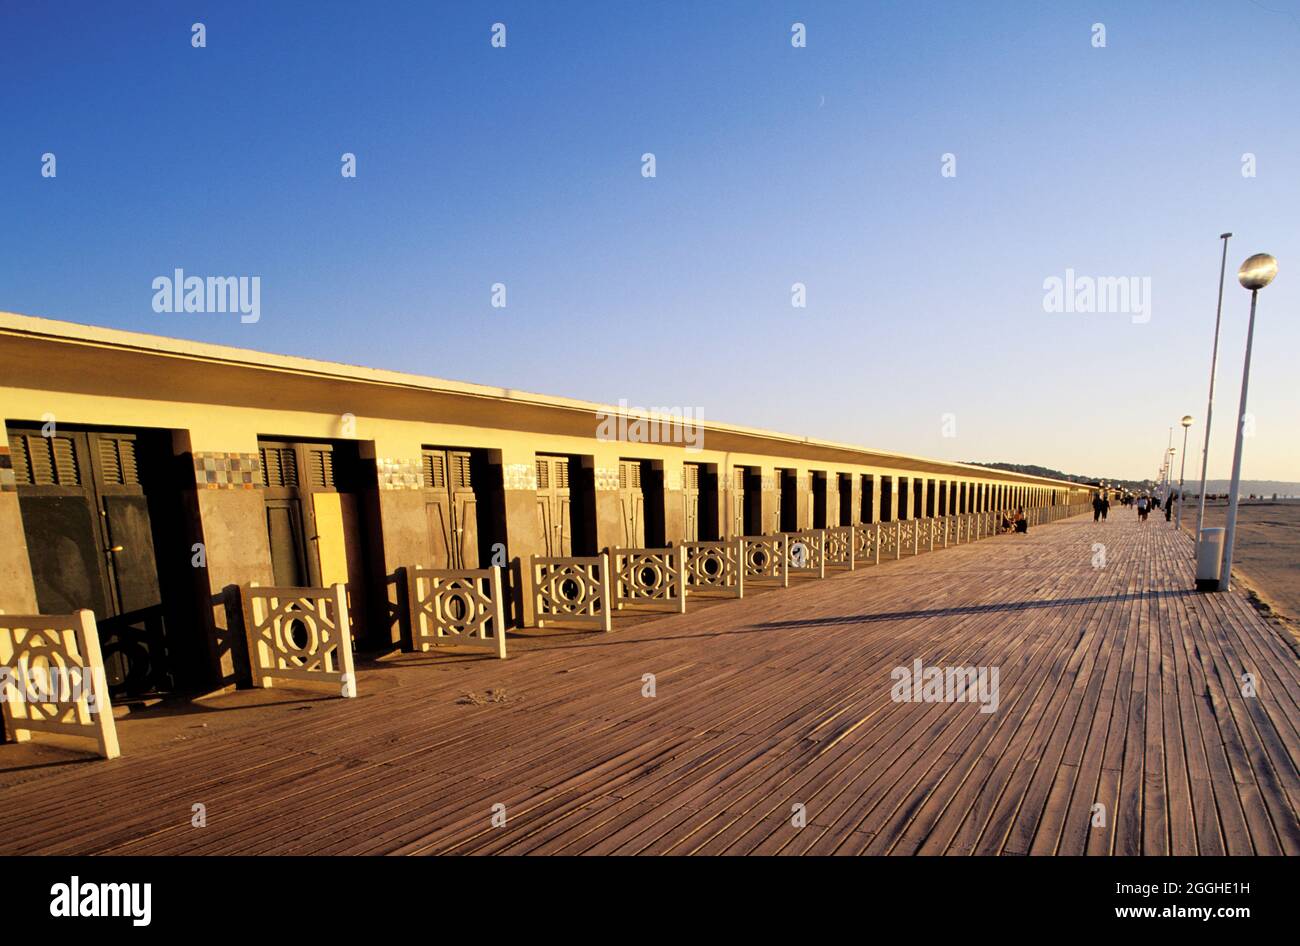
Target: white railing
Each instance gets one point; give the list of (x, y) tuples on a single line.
[(461, 608), (714, 567), (763, 559), (889, 544), (572, 591), (583, 591), (866, 542), (52, 679), (908, 536), (841, 547), (806, 552), (650, 578), (299, 634)]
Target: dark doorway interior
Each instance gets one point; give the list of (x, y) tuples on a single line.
[(817, 481), (641, 503), (789, 501), (753, 510), (108, 529), (700, 501)]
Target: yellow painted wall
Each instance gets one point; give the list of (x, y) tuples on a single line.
[(219, 428)]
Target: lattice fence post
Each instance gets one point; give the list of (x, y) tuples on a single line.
[(349, 683), (606, 590), (259, 654), (105, 727)]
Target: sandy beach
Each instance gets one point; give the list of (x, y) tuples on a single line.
[(1267, 549)]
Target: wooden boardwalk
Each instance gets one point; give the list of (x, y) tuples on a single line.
[(1117, 687)]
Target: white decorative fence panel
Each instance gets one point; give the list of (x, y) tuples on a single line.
[(889, 540), (299, 634), (938, 533), (841, 547), (572, 591), (461, 608), (714, 567), (651, 578), (52, 679), (763, 559), (806, 552), (866, 540), (907, 532)]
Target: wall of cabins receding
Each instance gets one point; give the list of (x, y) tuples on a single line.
[(221, 501)]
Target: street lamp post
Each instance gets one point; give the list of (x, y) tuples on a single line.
[(1256, 273), (1164, 479), (1209, 407), (1182, 472), (1169, 474)]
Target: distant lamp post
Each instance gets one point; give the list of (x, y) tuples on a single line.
[(1187, 422), (1164, 468), (1256, 273), (1169, 471), (1209, 407)]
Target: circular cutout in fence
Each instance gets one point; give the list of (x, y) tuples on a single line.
[(649, 576), (457, 611), (128, 665), (44, 674), (297, 635), (457, 607)]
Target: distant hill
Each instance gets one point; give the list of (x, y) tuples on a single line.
[(1248, 487), (1030, 469), (1257, 487)]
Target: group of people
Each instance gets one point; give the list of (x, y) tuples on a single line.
[(1145, 504), (1014, 522), (1100, 507)]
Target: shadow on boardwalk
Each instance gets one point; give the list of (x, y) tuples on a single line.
[(972, 609)]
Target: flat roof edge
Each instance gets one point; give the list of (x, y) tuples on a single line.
[(65, 332)]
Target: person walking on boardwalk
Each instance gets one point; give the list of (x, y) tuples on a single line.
[(1105, 506), (1142, 508), (1169, 506), (1096, 507)]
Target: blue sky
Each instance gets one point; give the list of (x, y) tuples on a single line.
[(775, 165)]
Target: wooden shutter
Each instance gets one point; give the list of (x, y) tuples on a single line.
[(117, 461), (320, 472), (45, 461)]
